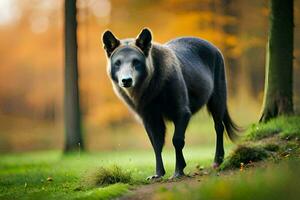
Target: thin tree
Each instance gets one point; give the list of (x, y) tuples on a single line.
[(278, 98), (73, 136), (230, 10)]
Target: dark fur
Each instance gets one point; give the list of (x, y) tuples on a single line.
[(188, 74)]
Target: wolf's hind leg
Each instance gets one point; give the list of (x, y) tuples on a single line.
[(216, 107)]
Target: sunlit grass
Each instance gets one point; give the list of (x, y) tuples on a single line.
[(103, 193), (284, 126), (50, 175), (272, 182), (28, 175)]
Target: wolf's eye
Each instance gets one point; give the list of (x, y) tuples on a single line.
[(136, 62), (118, 63)]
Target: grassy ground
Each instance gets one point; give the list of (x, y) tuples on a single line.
[(267, 181), (265, 165), (274, 140), (49, 175)]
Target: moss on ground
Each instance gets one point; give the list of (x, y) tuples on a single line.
[(276, 139), (271, 147), (243, 155)]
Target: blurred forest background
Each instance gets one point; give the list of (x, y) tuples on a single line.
[(32, 66)]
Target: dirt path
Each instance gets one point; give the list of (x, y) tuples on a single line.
[(147, 192)]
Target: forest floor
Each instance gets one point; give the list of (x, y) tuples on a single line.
[(182, 189), (262, 180), (52, 175), (265, 165)]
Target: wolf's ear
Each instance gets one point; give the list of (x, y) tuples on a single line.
[(110, 42), (143, 41)]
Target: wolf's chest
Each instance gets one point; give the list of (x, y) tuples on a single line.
[(166, 105)]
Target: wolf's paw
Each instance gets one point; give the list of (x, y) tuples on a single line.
[(215, 165), (177, 176), (154, 178)]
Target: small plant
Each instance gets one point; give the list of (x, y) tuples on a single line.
[(107, 176)]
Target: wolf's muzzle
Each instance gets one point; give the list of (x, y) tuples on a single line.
[(127, 82)]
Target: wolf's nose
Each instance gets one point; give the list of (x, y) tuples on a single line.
[(127, 82)]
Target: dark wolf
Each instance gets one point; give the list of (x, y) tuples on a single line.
[(170, 81)]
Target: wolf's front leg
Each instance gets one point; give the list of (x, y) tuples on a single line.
[(155, 128), (178, 141)]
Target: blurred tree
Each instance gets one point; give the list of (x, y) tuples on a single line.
[(73, 138), (278, 99), (230, 10)]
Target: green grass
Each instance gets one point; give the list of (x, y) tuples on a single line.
[(49, 175), (109, 174), (109, 192), (274, 182), (275, 139), (284, 126)]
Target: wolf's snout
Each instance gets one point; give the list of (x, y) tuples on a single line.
[(127, 82)]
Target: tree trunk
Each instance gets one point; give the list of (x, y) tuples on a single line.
[(278, 98), (73, 137), (230, 10)]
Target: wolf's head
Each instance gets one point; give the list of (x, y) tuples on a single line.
[(128, 64)]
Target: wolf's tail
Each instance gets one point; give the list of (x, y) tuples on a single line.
[(231, 128)]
